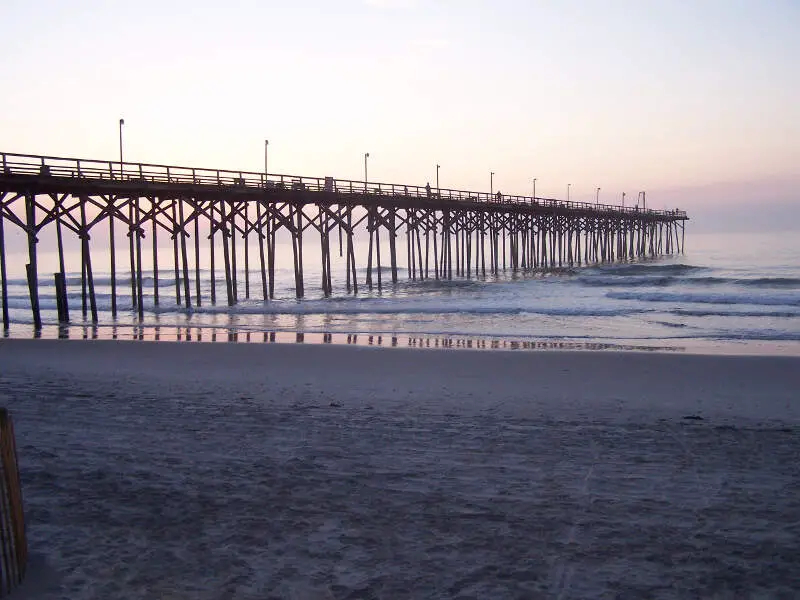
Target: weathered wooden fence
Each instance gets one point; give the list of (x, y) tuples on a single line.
[(13, 546)]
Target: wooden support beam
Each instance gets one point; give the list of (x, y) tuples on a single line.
[(139, 291), (175, 260), (32, 267), (184, 257), (3, 276), (196, 216), (246, 251), (392, 243), (87, 261), (261, 257), (112, 248), (155, 208), (232, 240), (212, 266), (226, 235), (131, 252)]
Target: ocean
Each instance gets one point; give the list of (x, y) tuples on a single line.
[(728, 294)]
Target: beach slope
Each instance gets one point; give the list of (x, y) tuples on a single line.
[(190, 470)]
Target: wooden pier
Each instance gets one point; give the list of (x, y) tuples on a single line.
[(446, 232)]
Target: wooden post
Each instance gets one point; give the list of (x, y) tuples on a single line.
[(59, 283), (87, 260), (232, 240), (435, 250), (261, 257), (246, 250), (482, 244), (271, 249), (212, 266), (13, 542), (393, 242), (131, 251), (3, 278), (111, 243), (324, 246), (61, 298), (410, 266), (198, 299), (184, 257), (154, 207), (139, 290), (378, 246), (175, 263), (31, 268), (226, 254), (350, 250), (299, 283), (370, 228), (427, 242), (60, 243), (504, 246), (419, 246)]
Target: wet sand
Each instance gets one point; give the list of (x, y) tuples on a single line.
[(320, 471)]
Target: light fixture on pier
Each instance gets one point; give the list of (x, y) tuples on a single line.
[(491, 183), (366, 179), (597, 197), (121, 123)]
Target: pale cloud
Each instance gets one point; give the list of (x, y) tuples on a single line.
[(432, 42), (392, 4)]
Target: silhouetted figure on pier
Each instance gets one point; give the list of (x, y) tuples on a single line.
[(428, 189), (499, 196)]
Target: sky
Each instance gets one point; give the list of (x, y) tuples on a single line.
[(697, 102)]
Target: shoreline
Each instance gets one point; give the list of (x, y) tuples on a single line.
[(480, 342), (562, 383)]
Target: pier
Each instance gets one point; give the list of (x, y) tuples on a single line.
[(438, 233)]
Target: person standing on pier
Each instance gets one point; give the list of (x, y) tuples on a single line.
[(428, 189)]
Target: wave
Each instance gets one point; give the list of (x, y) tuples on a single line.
[(632, 281), (700, 298), (308, 308), (625, 270), (760, 282), (672, 280), (774, 314), (765, 335)]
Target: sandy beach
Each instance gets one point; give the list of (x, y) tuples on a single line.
[(198, 470)]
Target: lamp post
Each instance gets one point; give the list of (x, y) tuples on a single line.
[(438, 192), (491, 183), (266, 154), (623, 200), (121, 123), (597, 197), (534, 188), (569, 185), (366, 179)]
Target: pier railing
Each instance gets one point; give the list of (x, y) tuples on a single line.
[(139, 173), (13, 545)]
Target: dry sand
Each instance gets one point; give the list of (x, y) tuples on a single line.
[(187, 470)]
